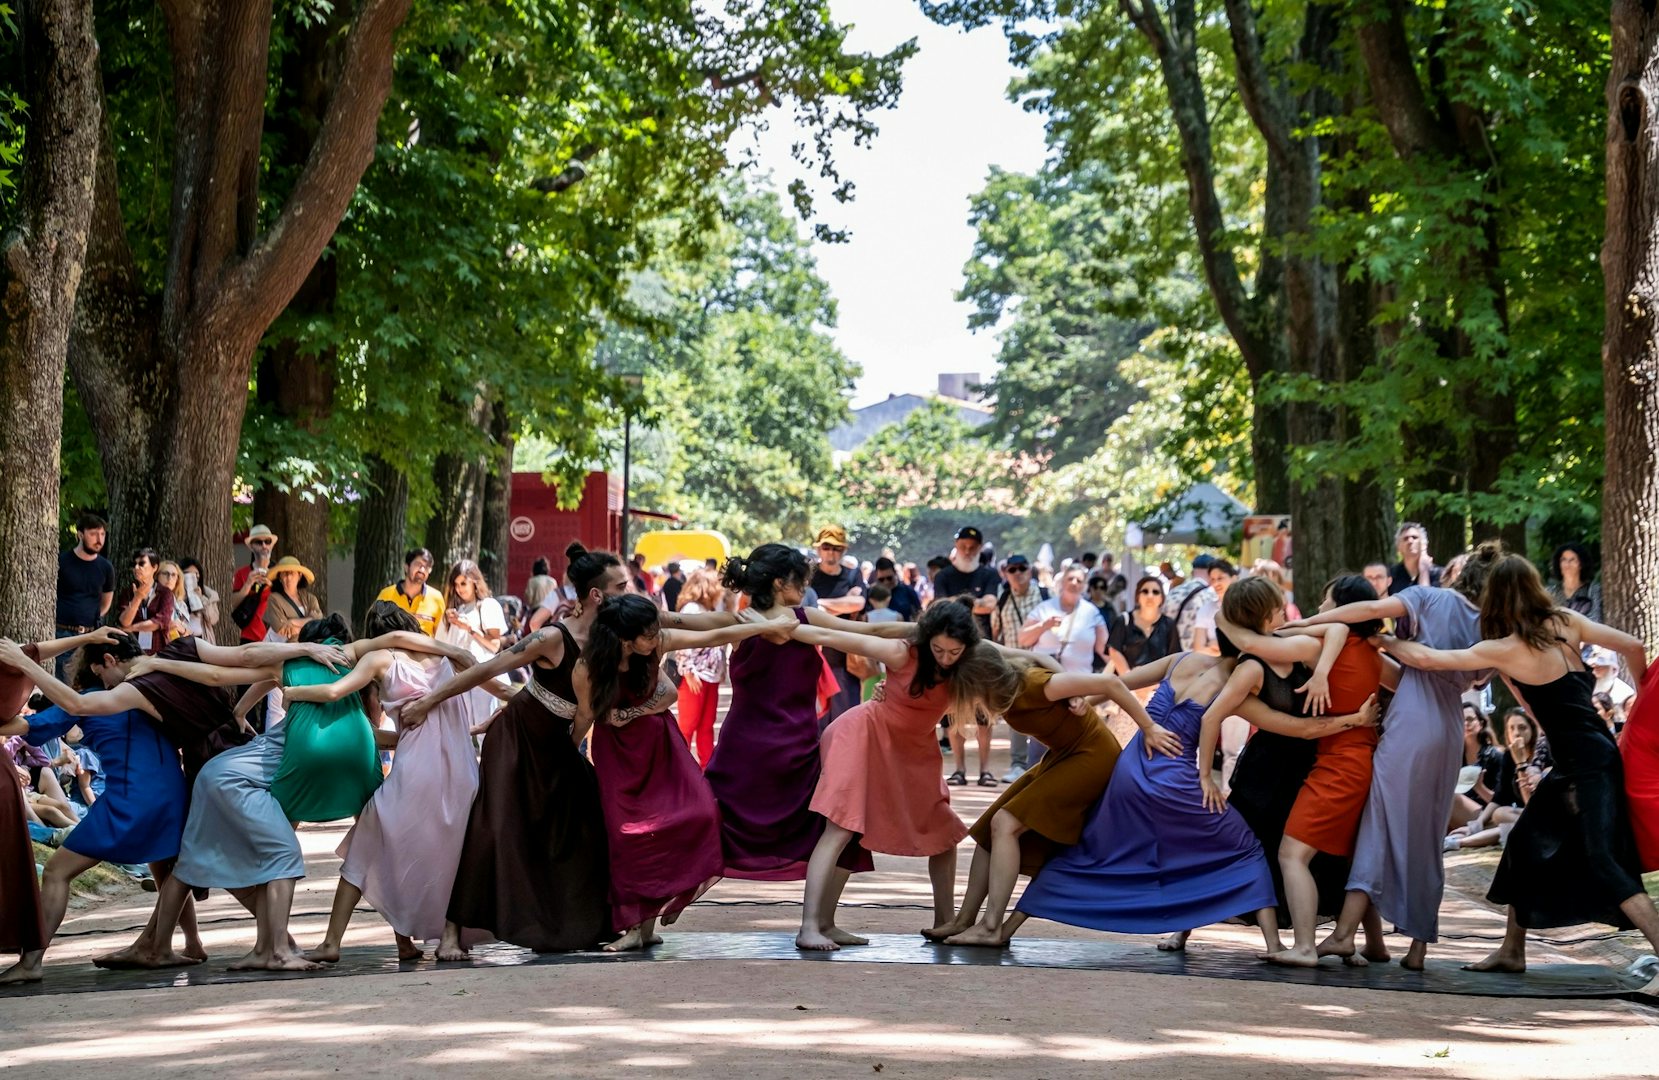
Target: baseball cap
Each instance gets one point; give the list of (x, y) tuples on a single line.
[(1017, 561), (832, 534), (1467, 778), (1203, 562), (968, 532), (1602, 656)]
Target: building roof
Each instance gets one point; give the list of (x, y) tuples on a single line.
[(872, 418)]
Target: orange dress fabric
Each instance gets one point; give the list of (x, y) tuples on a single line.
[(1328, 808), (881, 777)]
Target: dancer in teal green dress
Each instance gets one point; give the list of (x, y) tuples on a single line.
[(330, 767)]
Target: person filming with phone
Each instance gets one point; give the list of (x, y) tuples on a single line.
[(251, 587)]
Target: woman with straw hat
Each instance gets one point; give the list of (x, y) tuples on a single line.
[(291, 604)]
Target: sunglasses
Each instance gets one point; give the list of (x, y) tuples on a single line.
[(830, 547), (261, 543), (1019, 569), (885, 579)]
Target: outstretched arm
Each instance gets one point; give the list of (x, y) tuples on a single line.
[(545, 644), (1264, 716), (1108, 686), (1384, 607), (1482, 654), (1275, 650), (459, 658), (270, 654), (206, 674), (368, 669), (1620, 642), (820, 618), (1047, 663), (888, 651), (673, 640), (1151, 674), (696, 620), (1245, 680), (58, 646), (108, 703)]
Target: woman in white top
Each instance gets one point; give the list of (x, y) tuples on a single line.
[(473, 619), (1067, 627)]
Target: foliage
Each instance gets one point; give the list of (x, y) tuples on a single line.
[(932, 458), (12, 109)]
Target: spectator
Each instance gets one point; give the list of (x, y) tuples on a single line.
[(839, 592), (1089, 560), (965, 576), (1222, 574), (701, 670), (671, 587), (1015, 604), (250, 587), (475, 621), (86, 583), (1611, 713), (1276, 574), (1416, 565), (1100, 598), (1187, 598), (146, 608), (1524, 763), (641, 577), (1575, 587), (1067, 627), (1377, 574), (902, 599), (1143, 634), (1605, 665), (200, 601), (290, 603), (169, 575), (414, 595)]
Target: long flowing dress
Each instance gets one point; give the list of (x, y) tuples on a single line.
[(1639, 746), (881, 778), (1152, 858), (662, 824), (22, 925), (1328, 808), (1398, 853), (533, 868), (1267, 779), (766, 764), (1571, 857), (140, 815), (330, 767), (236, 835), (404, 849), (1052, 799)]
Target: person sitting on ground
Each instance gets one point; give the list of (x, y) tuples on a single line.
[(1522, 763)]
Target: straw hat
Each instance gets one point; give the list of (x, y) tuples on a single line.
[(288, 564), (261, 532)]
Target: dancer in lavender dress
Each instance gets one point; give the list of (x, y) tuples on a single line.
[(1397, 856)]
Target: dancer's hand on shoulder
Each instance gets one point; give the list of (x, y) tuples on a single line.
[(330, 656), (1079, 706), (143, 665), (880, 692), (1163, 740)]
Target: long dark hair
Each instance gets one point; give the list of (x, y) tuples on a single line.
[(1354, 589), (587, 567), (1587, 565), (1516, 603), (950, 618), (330, 628), (620, 618), (384, 617), (767, 563)]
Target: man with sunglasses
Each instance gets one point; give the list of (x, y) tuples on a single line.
[(904, 600), (840, 592), (254, 579)]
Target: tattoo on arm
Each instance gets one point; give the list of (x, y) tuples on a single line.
[(525, 643)]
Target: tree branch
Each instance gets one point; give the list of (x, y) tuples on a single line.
[(1262, 100), (1396, 91), (568, 177)]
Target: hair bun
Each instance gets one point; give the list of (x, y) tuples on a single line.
[(575, 550)]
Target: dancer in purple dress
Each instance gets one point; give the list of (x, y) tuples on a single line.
[(765, 767), (661, 820)]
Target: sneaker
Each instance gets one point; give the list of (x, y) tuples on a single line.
[(1014, 773), (957, 779), (987, 780), (1452, 843)]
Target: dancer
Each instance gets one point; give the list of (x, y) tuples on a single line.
[(1324, 817), (533, 864), (402, 852), (767, 763), (1159, 853), (1571, 858), (661, 822), (1639, 746), (880, 782), (1398, 853), (1044, 810), (201, 720)]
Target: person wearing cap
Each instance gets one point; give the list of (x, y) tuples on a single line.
[(1606, 668), (966, 576), (254, 580), (840, 591), (414, 595), (1186, 600), (1222, 574), (1018, 599), (290, 603)]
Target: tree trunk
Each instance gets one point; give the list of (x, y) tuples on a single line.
[(1630, 348), (1367, 505), (41, 262), (457, 523), (498, 496), (378, 558)]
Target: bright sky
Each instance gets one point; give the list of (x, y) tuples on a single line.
[(896, 278)]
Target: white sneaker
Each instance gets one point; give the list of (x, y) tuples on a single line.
[(1013, 774), (1453, 843)]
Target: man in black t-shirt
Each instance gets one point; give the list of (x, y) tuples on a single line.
[(840, 591), (86, 584), (1416, 565), (966, 577)]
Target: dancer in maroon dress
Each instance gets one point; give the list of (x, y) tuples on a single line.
[(661, 820)]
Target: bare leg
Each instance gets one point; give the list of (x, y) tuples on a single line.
[(279, 904), (1004, 871), (1640, 910), (1176, 942), (1416, 955), (1302, 897), (346, 896), (822, 890), (1012, 924), (641, 936), (1376, 948), (154, 947), (979, 876), (1340, 941), (1267, 919), (62, 868), (835, 933), (941, 871), (958, 750), (449, 946), (982, 733), (1512, 954)]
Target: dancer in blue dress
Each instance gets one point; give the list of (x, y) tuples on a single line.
[(1154, 857)]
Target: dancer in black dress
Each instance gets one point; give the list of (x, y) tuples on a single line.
[(1572, 856)]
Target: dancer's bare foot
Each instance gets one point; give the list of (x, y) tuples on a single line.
[(1294, 957), (1335, 946), (133, 958), (407, 950), (1415, 956), (633, 939), (254, 961), (842, 937), (195, 950), (813, 941), (326, 953), (945, 930), (1176, 942), (291, 961), (18, 974), (1375, 952), (1500, 960), (978, 935), (452, 953)]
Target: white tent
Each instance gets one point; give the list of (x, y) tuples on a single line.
[(1203, 515)]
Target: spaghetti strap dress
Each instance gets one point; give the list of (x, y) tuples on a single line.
[(1152, 858), (766, 765), (22, 924), (1571, 857), (404, 849), (662, 824), (881, 778), (330, 767), (1052, 799), (1328, 808), (533, 867)]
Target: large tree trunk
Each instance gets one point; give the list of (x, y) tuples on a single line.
[(457, 523), (498, 497), (40, 273), (1630, 348), (1367, 504), (381, 514)]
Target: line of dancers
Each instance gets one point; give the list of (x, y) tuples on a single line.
[(532, 843)]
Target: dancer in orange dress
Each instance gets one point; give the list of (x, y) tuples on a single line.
[(880, 779)]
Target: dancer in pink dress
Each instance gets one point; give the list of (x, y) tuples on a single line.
[(661, 819)]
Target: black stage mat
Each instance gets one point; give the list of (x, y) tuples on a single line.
[(1208, 962)]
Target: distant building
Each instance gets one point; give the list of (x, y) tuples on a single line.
[(955, 389)]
